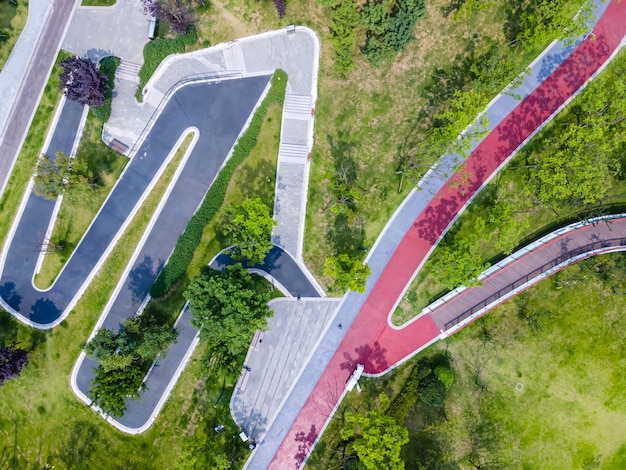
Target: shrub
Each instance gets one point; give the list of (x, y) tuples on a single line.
[(155, 51), (445, 375), (403, 402), (190, 239), (432, 391), (108, 66)]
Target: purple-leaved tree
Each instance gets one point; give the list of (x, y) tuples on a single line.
[(280, 8), (175, 12), (12, 361), (82, 82)]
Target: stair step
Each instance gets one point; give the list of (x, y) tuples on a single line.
[(297, 104), (292, 150)]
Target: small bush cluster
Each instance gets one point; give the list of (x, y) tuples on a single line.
[(190, 239), (155, 51), (108, 66)]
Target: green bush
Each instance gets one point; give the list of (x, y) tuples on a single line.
[(155, 51), (432, 391), (190, 239), (445, 375), (108, 66), (405, 400)]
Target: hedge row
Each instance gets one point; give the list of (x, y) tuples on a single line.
[(155, 51), (191, 237), (405, 400), (108, 66)]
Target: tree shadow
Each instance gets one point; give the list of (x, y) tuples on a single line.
[(344, 237), (44, 311), (81, 444), (10, 295), (372, 357), (259, 181), (142, 277), (305, 442), (8, 329)]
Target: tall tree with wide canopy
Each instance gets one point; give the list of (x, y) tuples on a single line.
[(378, 439), (249, 226), (228, 307)]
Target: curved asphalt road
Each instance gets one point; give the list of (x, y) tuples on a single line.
[(219, 111), (281, 266)]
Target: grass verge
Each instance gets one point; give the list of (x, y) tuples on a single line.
[(12, 21), (79, 208), (33, 145), (155, 51)]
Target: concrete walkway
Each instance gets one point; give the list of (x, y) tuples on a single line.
[(276, 358), (30, 63), (120, 30)]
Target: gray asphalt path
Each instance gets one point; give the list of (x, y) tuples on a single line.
[(28, 96), (219, 111), (281, 266)]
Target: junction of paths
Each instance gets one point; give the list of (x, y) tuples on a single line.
[(371, 340)]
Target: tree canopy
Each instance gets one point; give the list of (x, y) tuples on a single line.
[(378, 439), (124, 357), (228, 307), (81, 81), (12, 361), (347, 272), (249, 226), (54, 175)]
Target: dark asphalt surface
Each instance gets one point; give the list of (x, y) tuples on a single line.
[(42, 59), (281, 266)]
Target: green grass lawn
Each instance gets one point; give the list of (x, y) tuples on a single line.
[(54, 426), (571, 409), (12, 21)]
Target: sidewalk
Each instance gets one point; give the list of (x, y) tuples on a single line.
[(30, 62)]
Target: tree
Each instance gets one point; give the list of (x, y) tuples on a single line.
[(82, 82), (203, 452), (343, 35), (344, 195), (53, 176), (249, 226), (228, 307), (378, 439), (124, 357), (12, 361), (347, 272), (459, 263), (110, 389), (175, 12)]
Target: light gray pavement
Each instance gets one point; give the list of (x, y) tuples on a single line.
[(120, 30), (297, 54), (30, 63), (276, 358)]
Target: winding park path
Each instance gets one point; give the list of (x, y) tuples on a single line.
[(216, 110), (371, 340)]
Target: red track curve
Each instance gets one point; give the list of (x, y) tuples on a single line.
[(371, 340)]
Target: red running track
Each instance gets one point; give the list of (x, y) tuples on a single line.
[(371, 340)]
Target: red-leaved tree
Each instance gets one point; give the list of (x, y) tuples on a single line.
[(176, 13), (82, 82), (12, 361)]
